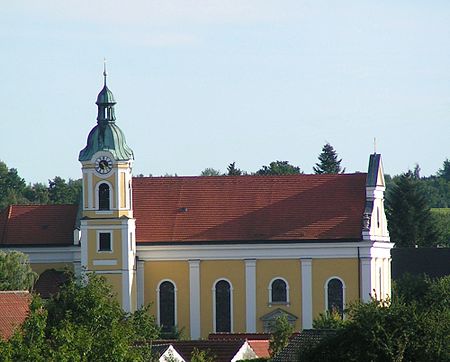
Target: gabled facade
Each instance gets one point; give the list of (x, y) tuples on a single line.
[(216, 254)]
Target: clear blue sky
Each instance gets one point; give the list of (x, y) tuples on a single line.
[(204, 83)]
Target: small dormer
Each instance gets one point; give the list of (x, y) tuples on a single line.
[(374, 217)]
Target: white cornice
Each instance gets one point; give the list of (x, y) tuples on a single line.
[(261, 251), (50, 254)]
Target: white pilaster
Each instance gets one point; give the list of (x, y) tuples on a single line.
[(307, 314), (140, 284), (366, 279), (194, 297), (250, 295)]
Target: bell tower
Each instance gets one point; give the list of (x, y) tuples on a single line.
[(108, 243)]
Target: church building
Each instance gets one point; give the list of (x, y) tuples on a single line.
[(215, 253)]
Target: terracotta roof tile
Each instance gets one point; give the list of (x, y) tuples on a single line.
[(223, 350), (260, 347), (225, 208), (38, 224), (14, 307)]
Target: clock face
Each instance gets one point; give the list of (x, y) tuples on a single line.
[(103, 165)]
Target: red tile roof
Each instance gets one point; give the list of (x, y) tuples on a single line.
[(260, 347), (223, 351), (239, 336), (37, 224), (14, 307), (226, 208)]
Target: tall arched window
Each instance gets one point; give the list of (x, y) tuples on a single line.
[(278, 291), (103, 197), (335, 295), (166, 305), (223, 315)]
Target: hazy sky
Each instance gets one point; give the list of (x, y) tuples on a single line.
[(205, 83)]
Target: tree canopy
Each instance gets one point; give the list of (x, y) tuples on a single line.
[(410, 220), (15, 271), (279, 168), (84, 322), (328, 161), (414, 326)]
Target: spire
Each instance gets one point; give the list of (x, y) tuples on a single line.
[(104, 72)]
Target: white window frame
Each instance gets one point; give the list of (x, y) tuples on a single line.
[(343, 292), (214, 303), (111, 240), (158, 302), (269, 289)]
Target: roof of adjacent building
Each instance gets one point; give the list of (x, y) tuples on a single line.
[(37, 224), (222, 350), (249, 208), (14, 307), (302, 340), (260, 347)]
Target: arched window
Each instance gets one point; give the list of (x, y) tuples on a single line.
[(223, 305), (335, 295), (166, 306), (278, 291), (103, 197)]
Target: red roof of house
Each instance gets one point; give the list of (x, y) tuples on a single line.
[(14, 307), (222, 350), (260, 347), (38, 224), (245, 208)]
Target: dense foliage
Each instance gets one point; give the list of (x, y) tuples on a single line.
[(328, 161), (14, 190), (410, 220), (15, 271), (279, 168), (84, 322), (281, 332), (414, 326)]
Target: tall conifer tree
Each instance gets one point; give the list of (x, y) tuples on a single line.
[(328, 161), (409, 217)]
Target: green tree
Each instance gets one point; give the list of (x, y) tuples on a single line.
[(37, 193), (328, 320), (202, 356), (232, 170), (84, 322), (12, 186), (328, 161), (210, 172), (15, 271), (282, 331), (62, 192), (444, 172), (409, 217), (384, 331), (279, 168)]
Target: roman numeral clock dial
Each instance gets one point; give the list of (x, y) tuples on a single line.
[(103, 165)]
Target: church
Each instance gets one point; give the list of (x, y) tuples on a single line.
[(214, 253)]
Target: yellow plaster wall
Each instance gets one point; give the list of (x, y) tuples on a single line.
[(115, 280), (115, 254), (323, 269), (122, 190), (266, 270), (210, 271), (178, 272), (112, 180), (42, 267)]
